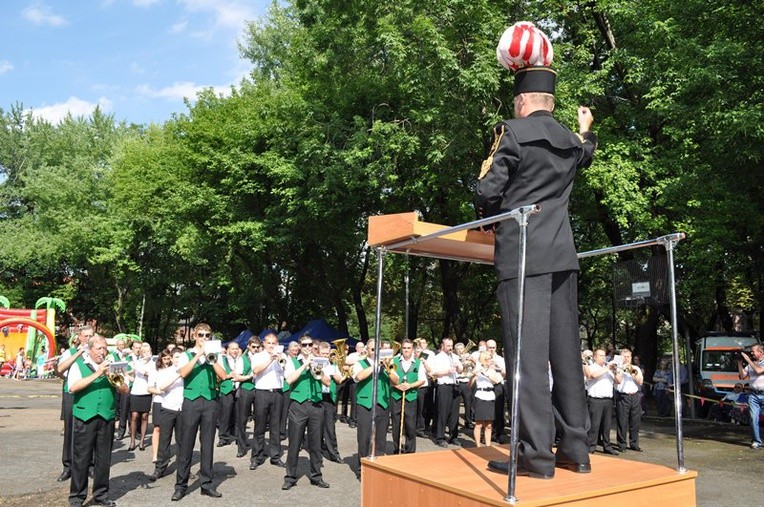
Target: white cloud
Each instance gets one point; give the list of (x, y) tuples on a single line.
[(144, 3), (178, 91), (136, 68), (76, 106), (5, 66), (228, 15), (41, 14), (179, 27)]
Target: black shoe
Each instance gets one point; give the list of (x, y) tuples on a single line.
[(441, 443), (65, 475), (352, 425), (211, 492), (421, 434), (287, 485), (502, 467), (336, 459), (455, 441), (241, 454), (120, 435), (221, 443), (579, 468), (320, 484), (278, 463), (177, 495), (621, 448), (610, 451), (636, 448), (253, 465), (108, 502)]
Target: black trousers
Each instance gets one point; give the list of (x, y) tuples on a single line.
[(123, 411), (550, 338), (430, 408), (628, 413), (244, 406), (93, 437), (364, 431), (267, 415), (499, 421), (409, 424), (448, 412), (301, 416), (227, 417), (353, 404), (465, 392), (286, 401), (198, 416), (343, 395), (420, 400), (169, 424), (67, 401), (600, 412), (330, 434)]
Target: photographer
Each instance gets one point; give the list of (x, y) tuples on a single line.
[(754, 373)]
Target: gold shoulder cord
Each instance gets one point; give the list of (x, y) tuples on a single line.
[(580, 137), (488, 163)]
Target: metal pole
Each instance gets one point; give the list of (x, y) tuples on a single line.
[(406, 305), (514, 437), (377, 333), (669, 242)]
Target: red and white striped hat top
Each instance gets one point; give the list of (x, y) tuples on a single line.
[(524, 45)]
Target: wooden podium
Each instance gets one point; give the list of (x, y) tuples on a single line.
[(461, 477)]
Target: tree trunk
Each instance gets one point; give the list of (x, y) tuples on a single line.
[(452, 315)]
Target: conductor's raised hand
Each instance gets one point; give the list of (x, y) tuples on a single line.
[(585, 119)]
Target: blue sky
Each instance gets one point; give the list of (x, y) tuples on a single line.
[(137, 59)]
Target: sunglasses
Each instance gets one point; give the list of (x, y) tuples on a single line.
[(306, 344), (203, 335)]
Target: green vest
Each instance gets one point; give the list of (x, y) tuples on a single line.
[(410, 377), (364, 388), (226, 386), (97, 399), (333, 390), (200, 382), (249, 385), (305, 387)]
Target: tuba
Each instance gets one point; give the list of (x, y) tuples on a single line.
[(467, 361), (337, 356)]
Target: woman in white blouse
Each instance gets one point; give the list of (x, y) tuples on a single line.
[(140, 399), (170, 383), (483, 379)]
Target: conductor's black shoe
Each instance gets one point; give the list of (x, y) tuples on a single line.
[(636, 448), (277, 462), (65, 475), (177, 495), (320, 484), (287, 485), (108, 502), (441, 443), (610, 451), (579, 468), (211, 492), (253, 465), (502, 467)]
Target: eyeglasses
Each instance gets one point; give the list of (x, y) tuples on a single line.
[(203, 335), (309, 344), (253, 346)]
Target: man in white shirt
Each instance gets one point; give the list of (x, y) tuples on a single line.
[(352, 359), (329, 404), (600, 379), (269, 382), (445, 367), (628, 408), (754, 373), (410, 376)]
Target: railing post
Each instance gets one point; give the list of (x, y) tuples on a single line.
[(377, 333)]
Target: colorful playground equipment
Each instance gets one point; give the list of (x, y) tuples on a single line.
[(32, 330)]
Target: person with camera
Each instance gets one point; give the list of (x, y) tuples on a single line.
[(754, 373)]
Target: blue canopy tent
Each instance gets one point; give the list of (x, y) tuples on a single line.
[(242, 339), (320, 330)]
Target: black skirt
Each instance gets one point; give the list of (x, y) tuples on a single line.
[(140, 403), (484, 410)]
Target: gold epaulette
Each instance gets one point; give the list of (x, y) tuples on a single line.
[(488, 163)]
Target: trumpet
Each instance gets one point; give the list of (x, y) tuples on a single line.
[(117, 380), (317, 366), (587, 357), (212, 358), (282, 361), (631, 370)]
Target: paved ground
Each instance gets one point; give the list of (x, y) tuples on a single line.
[(30, 449)]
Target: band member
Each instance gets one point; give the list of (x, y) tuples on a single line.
[(363, 374), (121, 353), (164, 361), (199, 413), (305, 411), (350, 360), (628, 408), (499, 366), (170, 384), (293, 350), (140, 399), (463, 383), (410, 376), (446, 366), (227, 396), (94, 408), (245, 404), (65, 362), (269, 383), (600, 379), (329, 404), (533, 160), (484, 380), (424, 398)]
